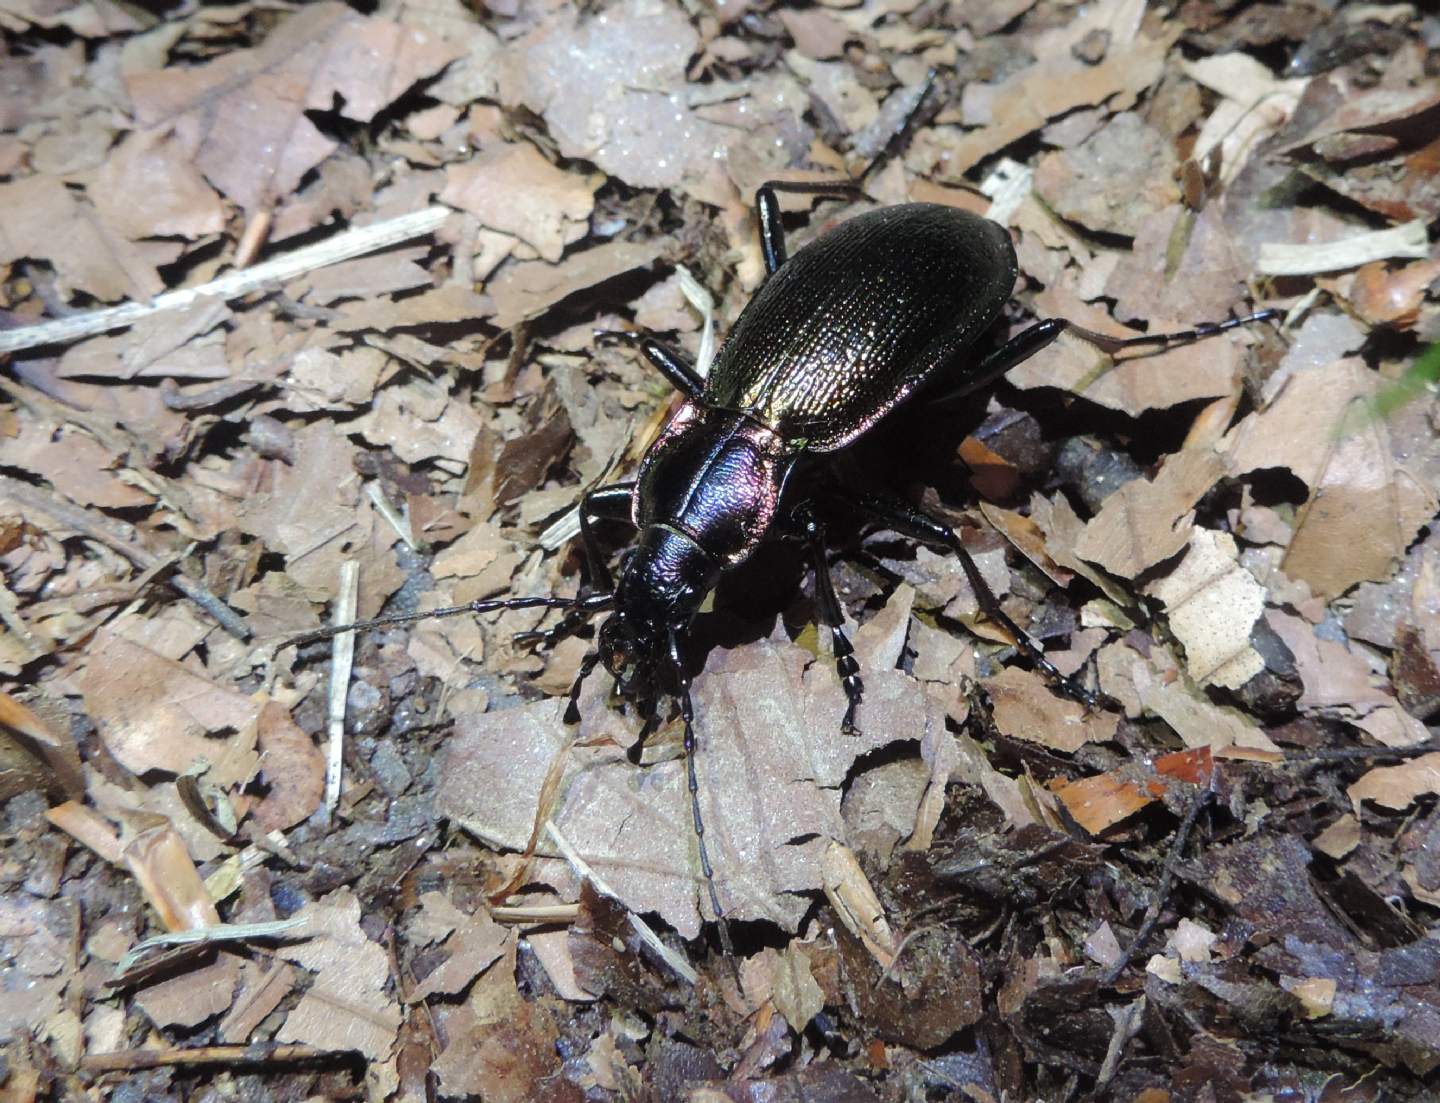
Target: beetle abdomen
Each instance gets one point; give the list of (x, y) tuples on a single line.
[(850, 325)]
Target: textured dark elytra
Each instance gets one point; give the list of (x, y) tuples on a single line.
[(839, 336)]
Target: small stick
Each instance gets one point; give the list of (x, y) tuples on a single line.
[(1162, 891), (134, 1060), (232, 285), (678, 965), (104, 531), (342, 660)]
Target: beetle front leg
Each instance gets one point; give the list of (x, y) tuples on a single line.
[(846, 667), (904, 518), (606, 503)]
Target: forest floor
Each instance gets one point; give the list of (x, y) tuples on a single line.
[(391, 241)]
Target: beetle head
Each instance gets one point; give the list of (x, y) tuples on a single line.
[(661, 587)]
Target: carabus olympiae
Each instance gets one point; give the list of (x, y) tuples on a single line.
[(884, 308)]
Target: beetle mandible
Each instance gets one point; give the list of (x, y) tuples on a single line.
[(837, 337)]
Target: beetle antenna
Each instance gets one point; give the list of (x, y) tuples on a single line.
[(578, 606), (1206, 329), (692, 782)]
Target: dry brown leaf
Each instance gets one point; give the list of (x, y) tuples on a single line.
[(1364, 508), (39, 218), (194, 995), (1053, 87), (771, 764), (1144, 523), (347, 1007), (176, 344), (154, 714), (524, 291), (1212, 603), (148, 187), (1398, 787), (312, 512), (261, 991), (1026, 707), (817, 34), (633, 62), (1134, 383), (292, 768), (1193, 717), (475, 943), (1082, 184), (513, 189), (1099, 802), (1335, 678), (241, 117), (1184, 268)]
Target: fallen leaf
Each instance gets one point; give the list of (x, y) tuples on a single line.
[(1143, 523), (346, 1007), (155, 714), (1398, 787), (1025, 706), (241, 117), (39, 218), (1212, 604), (512, 188)]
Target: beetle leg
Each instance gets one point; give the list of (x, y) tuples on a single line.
[(604, 503), (845, 665), (767, 206), (692, 782), (587, 664), (906, 519), (1028, 342), (666, 360), (767, 212), (580, 611), (1204, 329), (1018, 349)]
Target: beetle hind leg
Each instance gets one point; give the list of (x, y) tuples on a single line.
[(845, 665), (906, 519)]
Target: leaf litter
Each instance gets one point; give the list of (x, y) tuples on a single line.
[(981, 892)]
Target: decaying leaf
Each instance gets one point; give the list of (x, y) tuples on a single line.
[(1213, 603), (324, 51)]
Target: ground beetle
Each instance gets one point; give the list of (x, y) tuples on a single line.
[(839, 335)]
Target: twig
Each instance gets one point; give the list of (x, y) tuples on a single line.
[(342, 660), (1162, 891), (105, 531), (1128, 1020), (1347, 754), (233, 285), (134, 1060), (535, 914), (678, 965), (220, 932)]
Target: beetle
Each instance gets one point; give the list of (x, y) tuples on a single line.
[(885, 306)]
